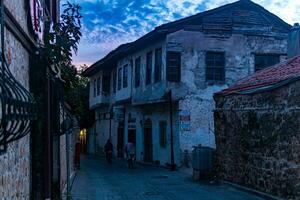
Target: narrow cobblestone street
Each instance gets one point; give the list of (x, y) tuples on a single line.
[(97, 180)]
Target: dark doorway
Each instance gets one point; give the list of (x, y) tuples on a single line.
[(132, 136), (148, 146), (120, 145)]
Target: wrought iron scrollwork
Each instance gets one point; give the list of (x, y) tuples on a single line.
[(17, 108), (61, 116), (66, 121)]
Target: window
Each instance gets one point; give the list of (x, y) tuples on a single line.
[(98, 86), (137, 71), (125, 76), (95, 88), (158, 64), (106, 84), (163, 133), (173, 66), (119, 78), (148, 68), (264, 60), (114, 82), (215, 66)]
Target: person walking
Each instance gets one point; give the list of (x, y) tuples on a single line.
[(108, 150), (130, 154)]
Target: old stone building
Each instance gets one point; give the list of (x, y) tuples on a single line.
[(15, 167), (257, 130), (27, 166), (193, 58), (257, 127)]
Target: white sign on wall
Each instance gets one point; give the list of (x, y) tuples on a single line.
[(185, 120), (118, 113)]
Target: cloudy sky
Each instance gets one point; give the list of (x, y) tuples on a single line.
[(109, 23)]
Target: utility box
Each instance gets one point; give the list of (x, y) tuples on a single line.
[(202, 162)]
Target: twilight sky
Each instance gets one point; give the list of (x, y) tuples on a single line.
[(109, 23)]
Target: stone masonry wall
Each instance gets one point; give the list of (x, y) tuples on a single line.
[(258, 140), (15, 163)]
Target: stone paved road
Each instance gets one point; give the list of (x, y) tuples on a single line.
[(97, 180)]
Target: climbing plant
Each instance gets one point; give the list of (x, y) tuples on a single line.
[(61, 43)]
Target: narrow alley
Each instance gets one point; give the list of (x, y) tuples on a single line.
[(97, 180)]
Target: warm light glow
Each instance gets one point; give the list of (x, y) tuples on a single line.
[(83, 133)]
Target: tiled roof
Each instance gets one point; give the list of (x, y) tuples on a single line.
[(232, 17), (267, 79)]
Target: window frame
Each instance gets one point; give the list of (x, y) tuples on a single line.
[(114, 81), (119, 79), (99, 86), (137, 72), (125, 76), (169, 74), (95, 87), (106, 84), (215, 68), (149, 63), (158, 62), (265, 55)]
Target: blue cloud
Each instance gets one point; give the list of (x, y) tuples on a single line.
[(109, 23)]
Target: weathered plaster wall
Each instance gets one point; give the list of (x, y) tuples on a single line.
[(144, 93), (195, 94), (258, 140), (101, 132), (156, 113), (15, 163)]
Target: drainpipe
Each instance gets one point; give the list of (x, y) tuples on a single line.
[(68, 165), (173, 166)]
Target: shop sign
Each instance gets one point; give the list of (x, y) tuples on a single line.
[(185, 120), (37, 18), (118, 113)]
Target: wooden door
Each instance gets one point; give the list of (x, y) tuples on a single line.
[(148, 146), (132, 136), (120, 144)]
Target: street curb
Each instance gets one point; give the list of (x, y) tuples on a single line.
[(251, 191)]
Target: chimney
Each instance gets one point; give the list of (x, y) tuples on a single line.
[(293, 46)]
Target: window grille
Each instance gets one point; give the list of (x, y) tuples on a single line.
[(173, 66), (215, 67), (17, 106), (265, 60)]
